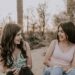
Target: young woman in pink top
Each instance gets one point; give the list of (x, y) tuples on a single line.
[(60, 56)]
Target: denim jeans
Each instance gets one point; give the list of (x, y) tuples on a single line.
[(72, 72), (57, 71), (53, 71)]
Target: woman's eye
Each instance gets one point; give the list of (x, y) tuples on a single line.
[(18, 34), (60, 31)]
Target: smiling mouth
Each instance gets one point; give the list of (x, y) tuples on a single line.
[(18, 40)]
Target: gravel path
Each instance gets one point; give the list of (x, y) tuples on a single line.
[(37, 60)]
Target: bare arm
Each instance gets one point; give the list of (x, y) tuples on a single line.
[(49, 53), (73, 62), (29, 58)]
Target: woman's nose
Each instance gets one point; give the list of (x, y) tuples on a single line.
[(59, 33), (20, 36)]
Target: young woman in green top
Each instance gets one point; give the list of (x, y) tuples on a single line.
[(15, 52)]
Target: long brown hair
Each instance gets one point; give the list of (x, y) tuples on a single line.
[(7, 43)]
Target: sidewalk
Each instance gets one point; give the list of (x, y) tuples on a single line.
[(37, 60)]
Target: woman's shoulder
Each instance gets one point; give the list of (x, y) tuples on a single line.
[(54, 41), (73, 46), (26, 45)]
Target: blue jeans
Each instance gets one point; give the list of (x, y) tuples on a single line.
[(57, 71), (72, 72)]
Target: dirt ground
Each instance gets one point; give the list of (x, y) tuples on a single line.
[(37, 60)]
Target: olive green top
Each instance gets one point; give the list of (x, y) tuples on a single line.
[(21, 61)]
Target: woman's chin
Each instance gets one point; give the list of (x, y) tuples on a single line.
[(17, 43), (61, 39)]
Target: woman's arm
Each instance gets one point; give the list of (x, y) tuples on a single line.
[(49, 53), (72, 66), (29, 58), (73, 62)]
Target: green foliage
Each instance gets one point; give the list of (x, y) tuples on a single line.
[(37, 40)]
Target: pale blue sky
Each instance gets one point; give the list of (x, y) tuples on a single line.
[(8, 7)]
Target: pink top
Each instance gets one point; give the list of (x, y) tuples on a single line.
[(62, 58)]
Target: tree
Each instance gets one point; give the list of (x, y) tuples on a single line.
[(30, 17), (27, 21), (42, 13), (71, 9), (20, 12), (62, 17)]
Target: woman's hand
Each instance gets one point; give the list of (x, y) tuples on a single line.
[(16, 71), (47, 63), (8, 70)]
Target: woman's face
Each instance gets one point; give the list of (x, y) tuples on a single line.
[(61, 34), (18, 38)]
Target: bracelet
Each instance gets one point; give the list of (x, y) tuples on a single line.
[(29, 66)]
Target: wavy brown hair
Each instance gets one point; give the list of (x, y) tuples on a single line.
[(7, 43)]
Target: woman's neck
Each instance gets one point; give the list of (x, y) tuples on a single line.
[(16, 51), (66, 43)]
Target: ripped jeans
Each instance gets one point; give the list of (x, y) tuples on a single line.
[(57, 71)]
